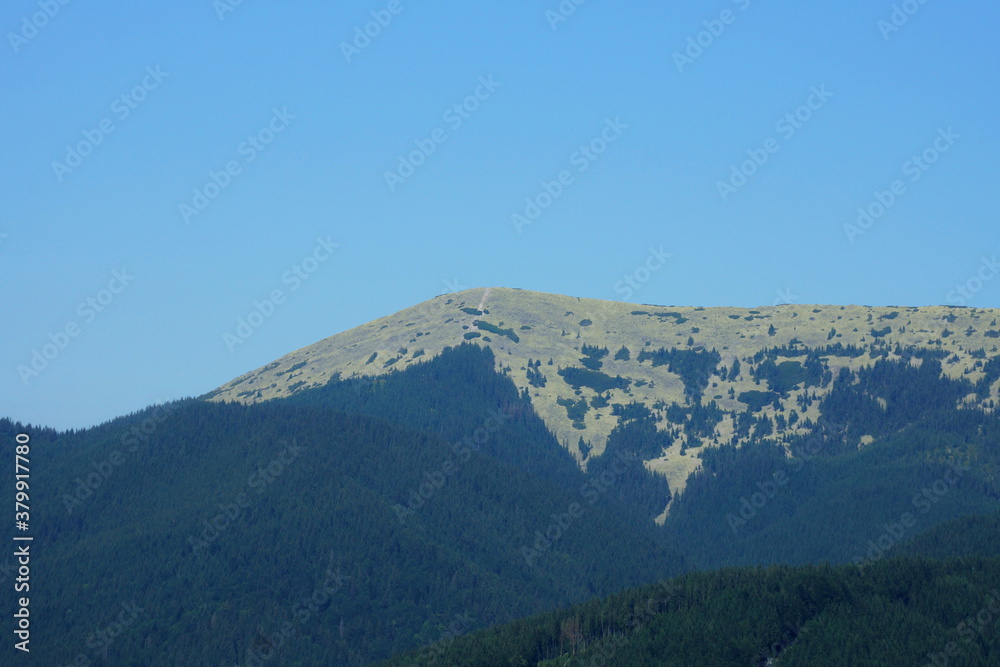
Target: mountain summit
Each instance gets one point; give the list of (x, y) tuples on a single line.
[(588, 364), (355, 498)]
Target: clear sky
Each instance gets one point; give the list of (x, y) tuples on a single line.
[(166, 165)]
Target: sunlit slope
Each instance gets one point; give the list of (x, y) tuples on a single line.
[(522, 326)]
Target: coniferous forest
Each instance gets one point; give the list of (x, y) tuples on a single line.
[(430, 513)]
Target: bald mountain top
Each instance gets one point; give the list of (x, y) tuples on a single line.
[(706, 376)]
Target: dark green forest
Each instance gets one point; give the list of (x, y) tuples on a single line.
[(374, 516), (903, 611), (338, 528), (833, 498)]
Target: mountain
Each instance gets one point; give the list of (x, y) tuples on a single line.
[(579, 358), (309, 532), (495, 454)]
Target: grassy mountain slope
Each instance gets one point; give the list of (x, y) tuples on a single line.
[(576, 394)]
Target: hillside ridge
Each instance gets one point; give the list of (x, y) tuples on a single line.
[(579, 357)]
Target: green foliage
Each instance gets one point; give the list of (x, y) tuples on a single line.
[(592, 356), (593, 351), (991, 373), (693, 366), (699, 421), (509, 333), (892, 614), (631, 411), (331, 513), (535, 377), (292, 368), (622, 354), (600, 401), (575, 410), (783, 377), (596, 380), (619, 474), (666, 315), (976, 535), (755, 504), (910, 394)]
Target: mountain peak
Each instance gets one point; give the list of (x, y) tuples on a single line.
[(578, 357)]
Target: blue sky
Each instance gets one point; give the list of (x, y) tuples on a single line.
[(205, 150)]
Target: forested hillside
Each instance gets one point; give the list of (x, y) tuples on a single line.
[(705, 377), (316, 535), (369, 515), (822, 496), (897, 612)]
